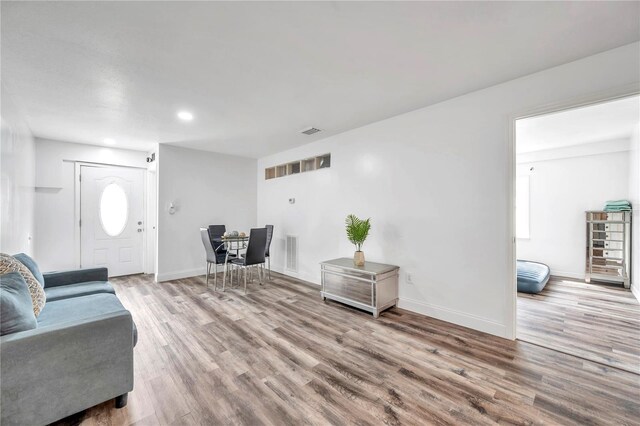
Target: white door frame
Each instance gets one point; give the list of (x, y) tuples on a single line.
[(577, 102), (76, 236)]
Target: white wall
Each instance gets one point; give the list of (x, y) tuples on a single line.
[(17, 170), (634, 197), (560, 191), (151, 214), (55, 216), (206, 188), (437, 184)]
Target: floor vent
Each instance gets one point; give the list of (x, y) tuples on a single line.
[(292, 253)]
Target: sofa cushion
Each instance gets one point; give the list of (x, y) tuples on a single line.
[(31, 264), (78, 308), (80, 289), (56, 278), (11, 264), (15, 305), (81, 308)]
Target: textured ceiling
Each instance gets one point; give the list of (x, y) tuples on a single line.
[(594, 123), (255, 74)]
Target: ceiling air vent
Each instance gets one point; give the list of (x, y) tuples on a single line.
[(310, 131)]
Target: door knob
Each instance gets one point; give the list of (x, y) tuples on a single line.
[(139, 229), (139, 222)]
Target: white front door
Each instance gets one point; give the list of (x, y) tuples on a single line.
[(111, 219)]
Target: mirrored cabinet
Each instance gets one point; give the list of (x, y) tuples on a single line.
[(609, 247)]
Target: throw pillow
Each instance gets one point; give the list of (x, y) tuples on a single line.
[(11, 264), (15, 305), (31, 264)]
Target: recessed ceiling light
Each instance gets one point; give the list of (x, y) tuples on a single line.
[(185, 116), (109, 141)]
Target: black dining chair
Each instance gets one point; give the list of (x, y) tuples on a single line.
[(255, 254), (212, 257), (217, 231), (268, 245), (215, 235), (266, 251)]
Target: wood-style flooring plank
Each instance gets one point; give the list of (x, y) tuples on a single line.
[(595, 321), (280, 356)]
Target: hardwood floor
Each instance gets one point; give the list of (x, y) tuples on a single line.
[(279, 355), (598, 322)]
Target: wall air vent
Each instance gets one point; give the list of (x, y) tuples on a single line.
[(310, 131), (292, 253)]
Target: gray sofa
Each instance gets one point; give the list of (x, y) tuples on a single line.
[(79, 355)]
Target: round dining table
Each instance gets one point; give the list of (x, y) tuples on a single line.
[(230, 243), (239, 242)]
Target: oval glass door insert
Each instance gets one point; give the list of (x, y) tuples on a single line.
[(114, 209)]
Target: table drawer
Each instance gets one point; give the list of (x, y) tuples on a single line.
[(612, 272), (606, 262), (610, 216), (357, 287), (607, 244), (608, 227), (607, 253), (607, 235)]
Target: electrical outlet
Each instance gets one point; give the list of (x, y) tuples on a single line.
[(409, 278)]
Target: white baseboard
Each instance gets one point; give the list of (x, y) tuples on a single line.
[(455, 317), (636, 292), (308, 278), (176, 275), (564, 274), (438, 312)]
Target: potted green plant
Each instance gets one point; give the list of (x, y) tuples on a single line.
[(357, 232)]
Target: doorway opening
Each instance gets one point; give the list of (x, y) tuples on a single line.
[(576, 170), (112, 218)]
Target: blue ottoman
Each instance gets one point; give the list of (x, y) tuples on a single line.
[(532, 276)]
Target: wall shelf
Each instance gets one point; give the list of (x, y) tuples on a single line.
[(297, 167), (269, 173), (309, 165), (281, 170), (293, 168)]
